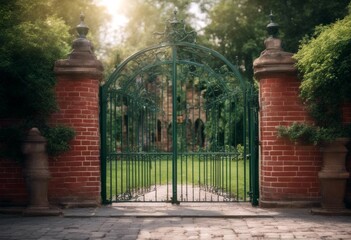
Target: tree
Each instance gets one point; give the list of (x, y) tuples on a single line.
[(34, 34), (29, 47), (145, 19), (69, 11), (236, 30), (237, 27), (298, 18)]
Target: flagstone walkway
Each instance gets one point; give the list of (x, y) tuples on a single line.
[(186, 221)]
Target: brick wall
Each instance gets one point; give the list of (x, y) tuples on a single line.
[(289, 171), (76, 174), (12, 185)]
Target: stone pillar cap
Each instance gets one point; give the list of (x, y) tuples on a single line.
[(81, 62), (274, 60)]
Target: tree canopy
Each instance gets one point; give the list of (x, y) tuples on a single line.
[(34, 34), (235, 28)]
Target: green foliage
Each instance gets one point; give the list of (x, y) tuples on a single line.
[(11, 138), (239, 150), (233, 34), (58, 139), (190, 171), (29, 49), (34, 34), (299, 132), (96, 17), (324, 62), (237, 27), (145, 18), (10, 143), (310, 134)]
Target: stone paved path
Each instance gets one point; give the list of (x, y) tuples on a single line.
[(185, 193), (257, 224)]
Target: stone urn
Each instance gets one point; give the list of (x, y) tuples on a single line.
[(37, 175), (333, 175)]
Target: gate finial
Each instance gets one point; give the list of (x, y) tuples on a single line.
[(175, 19), (82, 28), (272, 27), (175, 31)]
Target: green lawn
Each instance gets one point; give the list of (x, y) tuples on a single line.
[(136, 173)]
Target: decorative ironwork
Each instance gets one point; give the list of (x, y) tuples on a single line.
[(175, 31), (175, 124)]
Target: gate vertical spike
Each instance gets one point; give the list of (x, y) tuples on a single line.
[(174, 126), (103, 144), (209, 164)]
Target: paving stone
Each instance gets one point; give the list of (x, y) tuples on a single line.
[(288, 225), (97, 235), (193, 237), (244, 236), (286, 236), (129, 237), (229, 237), (47, 238), (205, 236)]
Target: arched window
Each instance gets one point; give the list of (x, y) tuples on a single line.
[(159, 131), (199, 132)]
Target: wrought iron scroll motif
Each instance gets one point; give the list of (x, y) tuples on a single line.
[(131, 72), (175, 31)]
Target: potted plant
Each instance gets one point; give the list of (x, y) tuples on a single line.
[(324, 63)]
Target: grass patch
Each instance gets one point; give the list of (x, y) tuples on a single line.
[(134, 174)]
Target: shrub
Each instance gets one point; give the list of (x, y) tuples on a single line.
[(11, 138), (324, 62), (310, 134)]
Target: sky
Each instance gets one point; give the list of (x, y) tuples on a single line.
[(119, 20), (115, 8)]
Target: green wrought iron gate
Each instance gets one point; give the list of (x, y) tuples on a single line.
[(178, 123)]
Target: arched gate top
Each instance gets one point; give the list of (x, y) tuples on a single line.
[(175, 36)]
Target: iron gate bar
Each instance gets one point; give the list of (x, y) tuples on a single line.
[(174, 126)]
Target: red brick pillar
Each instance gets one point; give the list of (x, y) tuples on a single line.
[(76, 174), (288, 171), (346, 117)]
